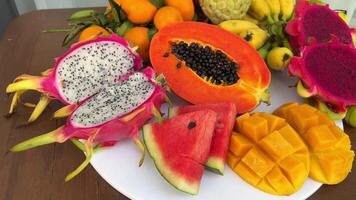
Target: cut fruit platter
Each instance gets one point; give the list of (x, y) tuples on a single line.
[(203, 100)]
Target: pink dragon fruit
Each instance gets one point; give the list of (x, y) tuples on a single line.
[(319, 22), (327, 72), (79, 73), (116, 112)]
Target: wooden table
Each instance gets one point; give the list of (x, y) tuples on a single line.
[(39, 173)]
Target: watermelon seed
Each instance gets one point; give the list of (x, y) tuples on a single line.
[(192, 125)]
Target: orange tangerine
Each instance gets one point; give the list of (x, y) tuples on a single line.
[(92, 32), (138, 36), (186, 7), (139, 11), (166, 16)]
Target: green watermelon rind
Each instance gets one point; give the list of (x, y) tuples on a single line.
[(172, 111), (173, 178), (214, 164)]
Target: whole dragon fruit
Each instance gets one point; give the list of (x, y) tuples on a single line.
[(327, 72), (79, 73), (114, 113), (317, 21)]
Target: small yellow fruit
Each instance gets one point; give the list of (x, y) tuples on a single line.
[(278, 58), (256, 37)]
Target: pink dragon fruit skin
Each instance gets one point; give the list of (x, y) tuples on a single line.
[(109, 132), (54, 84), (319, 22), (327, 71)]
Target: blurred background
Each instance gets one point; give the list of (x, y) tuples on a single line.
[(9, 9)]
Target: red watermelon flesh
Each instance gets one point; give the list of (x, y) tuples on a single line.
[(221, 138), (180, 147)]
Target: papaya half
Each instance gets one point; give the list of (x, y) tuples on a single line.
[(203, 63)]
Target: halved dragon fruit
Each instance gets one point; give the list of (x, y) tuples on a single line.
[(327, 71), (116, 112), (80, 73), (317, 21)]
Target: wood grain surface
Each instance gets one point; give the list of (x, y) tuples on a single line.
[(38, 174)]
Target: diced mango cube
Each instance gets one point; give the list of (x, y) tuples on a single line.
[(274, 122), (246, 173), (279, 182), (292, 137), (232, 160), (302, 119), (239, 120), (254, 128), (276, 146), (336, 161), (239, 145), (324, 119), (294, 170), (264, 185), (343, 139), (282, 111), (320, 138), (258, 162)]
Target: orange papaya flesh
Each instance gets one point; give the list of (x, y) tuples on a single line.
[(269, 154), (331, 156), (253, 76)]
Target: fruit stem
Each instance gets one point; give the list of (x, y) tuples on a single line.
[(264, 50), (15, 100), (157, 114), (302, 91), (64, 111), (265, 96), (44, 139), (41, 105), (88, 149), (168, 101), (142, 149), (27, 84), (269, 19)]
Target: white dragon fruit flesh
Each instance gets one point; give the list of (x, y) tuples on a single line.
[(116, 112), (80, 73)]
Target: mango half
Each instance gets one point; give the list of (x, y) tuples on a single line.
[(269, 154), (331, 156)]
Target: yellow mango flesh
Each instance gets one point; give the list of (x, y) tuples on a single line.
[(267, 153), (330, 148)]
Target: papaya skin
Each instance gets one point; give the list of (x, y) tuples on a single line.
[(247, 93)]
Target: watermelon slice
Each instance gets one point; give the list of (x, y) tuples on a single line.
[(222, 133), (180, 147)]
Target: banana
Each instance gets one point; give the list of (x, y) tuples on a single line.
[(249, 18), (278, 58), (287, 7), (260, 10), (256, 37), (275, 8), (237, 26)]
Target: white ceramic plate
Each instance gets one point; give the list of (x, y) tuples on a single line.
[(118, 165)]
